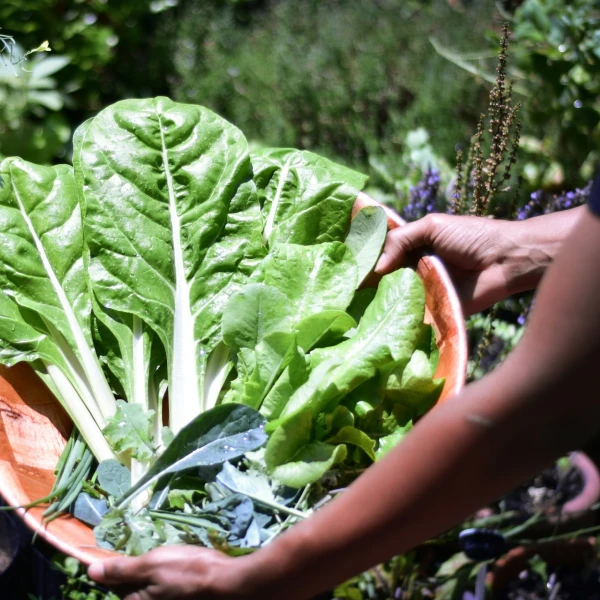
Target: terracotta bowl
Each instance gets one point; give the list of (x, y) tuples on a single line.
[(34, 427)]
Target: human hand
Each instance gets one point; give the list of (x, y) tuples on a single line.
[(178, 573), (487, 259)]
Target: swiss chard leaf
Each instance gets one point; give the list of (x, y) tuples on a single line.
[(252, 313), (42, 268), (307, 198), (172, 223)]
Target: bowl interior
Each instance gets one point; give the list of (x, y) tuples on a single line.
[(34, 427)]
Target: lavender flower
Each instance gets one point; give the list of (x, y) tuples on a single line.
[(423, 196), (534, 208), (571, 199), (540, 204)]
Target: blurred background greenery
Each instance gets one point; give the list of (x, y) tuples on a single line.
[(390, 87)]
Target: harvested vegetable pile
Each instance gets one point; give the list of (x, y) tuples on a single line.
[(172, 263)]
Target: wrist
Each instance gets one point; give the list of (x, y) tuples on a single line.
[(269, 573), (532, 246), (527, 256), (290, 566)]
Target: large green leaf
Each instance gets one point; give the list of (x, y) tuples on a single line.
[(307, 198), (314, 278), (252, 313), (42, 268), (172, 223), (298, 283), (293, 458), (294, 375), (261, 368), (386, 335), (413, 386)]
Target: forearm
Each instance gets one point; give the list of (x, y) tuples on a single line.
[(466, 452)]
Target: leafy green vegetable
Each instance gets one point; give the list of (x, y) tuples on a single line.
[(386, 334), (113, 477), (89, 510), (130, 431), (224, 433), (390, 441), (366, 237), (293, 458), (42, 270), (170, 260), (172, 225), (413, 385), (305, 196), (356, 437)]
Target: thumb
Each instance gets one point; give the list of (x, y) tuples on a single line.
[(118, 571), (402, 240)]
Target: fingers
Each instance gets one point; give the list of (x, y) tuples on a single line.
[(402, 240), (120, 571)]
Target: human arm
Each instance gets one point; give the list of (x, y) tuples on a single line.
[(460, 456), (488, 259)]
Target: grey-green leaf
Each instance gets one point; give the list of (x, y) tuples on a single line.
[(89, 510), (113, 477), (223, 433)]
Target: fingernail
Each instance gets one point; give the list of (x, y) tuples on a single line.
[(381, 264), (96, 571)]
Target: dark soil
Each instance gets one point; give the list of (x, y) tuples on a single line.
[(562, 584)]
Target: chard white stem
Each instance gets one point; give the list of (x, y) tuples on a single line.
[(138, 470), (140, 381), (76, 375), (83, 420), (183, 378), (218, 366), (92, 369), (155, 403)]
